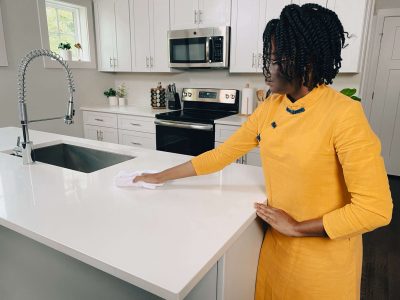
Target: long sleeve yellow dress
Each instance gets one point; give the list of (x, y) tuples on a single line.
[(320, 159)]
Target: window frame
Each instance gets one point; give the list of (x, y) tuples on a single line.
[(89, 37), (3, 52)]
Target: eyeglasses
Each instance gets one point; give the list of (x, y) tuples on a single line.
[(272, 62)]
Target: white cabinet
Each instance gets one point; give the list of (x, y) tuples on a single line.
[(223, 132), (249, 18), (149, 26), (113, 35), (186, 14)]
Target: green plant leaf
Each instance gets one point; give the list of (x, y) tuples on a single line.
[(348, 92), (355, 98)]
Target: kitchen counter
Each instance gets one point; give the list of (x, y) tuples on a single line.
[(126, 110), (235, 120), (163, 241)]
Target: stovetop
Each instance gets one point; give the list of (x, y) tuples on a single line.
[(195, 115)]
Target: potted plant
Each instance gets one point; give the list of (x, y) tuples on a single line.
[(350, 93), (122, 93), (65, 51), (111, 95)]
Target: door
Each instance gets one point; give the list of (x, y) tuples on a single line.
[(184, 14), (385, 107), (159, 26), (244, 35), (106, 34), (214, 13), (140, 35), (122, 59)]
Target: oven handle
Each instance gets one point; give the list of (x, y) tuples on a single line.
[(207, 127)]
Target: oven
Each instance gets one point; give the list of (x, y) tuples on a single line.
[(199, 48), (184, 137)]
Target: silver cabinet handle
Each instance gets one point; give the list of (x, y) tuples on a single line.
[(185, 125), (259, 61), (195, 16), (253, 58), (135, 124), (97, 135), (100, 120), (110, 62), (137, 144), (101, 135), (199, 18), (147, 61), (151, 61)]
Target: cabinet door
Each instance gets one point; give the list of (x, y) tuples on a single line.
[(353, 15), (244, 35), (159, 26), (214, 13), (106, 40), (122, 58), (103, 134), (183, 14), (140, 35)]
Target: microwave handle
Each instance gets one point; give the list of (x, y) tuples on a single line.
[(208, 43)]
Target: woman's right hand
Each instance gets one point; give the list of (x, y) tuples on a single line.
[(149, 178)]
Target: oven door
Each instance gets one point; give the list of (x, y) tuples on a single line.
[(184, 138)]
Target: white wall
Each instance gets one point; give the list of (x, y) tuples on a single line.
[(384, 4), (46, 88)]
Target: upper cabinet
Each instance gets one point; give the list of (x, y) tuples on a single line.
[(149, 27), (186, 14), (249, 18), (113, 35)]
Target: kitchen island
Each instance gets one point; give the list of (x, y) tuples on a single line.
[(71, 235)]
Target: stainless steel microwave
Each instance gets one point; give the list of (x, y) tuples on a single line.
[(199, 48)]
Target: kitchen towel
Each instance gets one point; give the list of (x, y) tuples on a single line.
[(125, 179)]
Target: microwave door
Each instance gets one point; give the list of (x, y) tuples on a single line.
[(189, 51)]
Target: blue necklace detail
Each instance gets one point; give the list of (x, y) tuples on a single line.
[(295, 111)]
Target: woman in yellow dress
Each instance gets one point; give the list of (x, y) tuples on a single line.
[(325, 179)]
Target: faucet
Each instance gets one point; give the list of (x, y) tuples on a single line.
[(26, 147)]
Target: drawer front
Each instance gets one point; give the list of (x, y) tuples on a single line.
[(137, 139), (100, 119), (223, 132), (103, 134), (253, 158), (136, 123)]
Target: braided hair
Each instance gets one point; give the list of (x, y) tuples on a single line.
[(308, 40)]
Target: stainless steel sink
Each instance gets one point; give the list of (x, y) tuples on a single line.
[(78, 158)]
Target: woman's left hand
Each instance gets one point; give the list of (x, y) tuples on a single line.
[(278, 219)]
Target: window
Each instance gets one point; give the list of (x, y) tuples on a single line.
[(68, 21)]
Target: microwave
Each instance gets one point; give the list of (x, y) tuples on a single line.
[(199, 48)]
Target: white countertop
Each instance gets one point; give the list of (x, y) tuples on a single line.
[(126, 110), (235, 120), (163, 240)]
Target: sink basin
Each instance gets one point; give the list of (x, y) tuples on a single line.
[(78, 158)]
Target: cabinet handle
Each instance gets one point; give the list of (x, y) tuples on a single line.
[(97, 135), (147, 61), (151, 61), (100, 120), (259, 61), (137, 144), (195, 16), (115, 62), (135, 124), (111, 62), (200, 13), (253, 58), (101, 135)]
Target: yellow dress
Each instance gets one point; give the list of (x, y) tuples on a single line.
[(320, 159)]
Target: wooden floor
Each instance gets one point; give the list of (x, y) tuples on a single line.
[(381, 265)]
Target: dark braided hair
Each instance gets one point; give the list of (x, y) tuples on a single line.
[(308, 41)]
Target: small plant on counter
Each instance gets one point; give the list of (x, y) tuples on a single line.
[(350, 93), (64, 46), (121, 91), (110, 93)]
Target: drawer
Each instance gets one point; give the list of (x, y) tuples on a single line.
[(100, 119), (137, 139), (99, 133), (223, 132), (253, 158), (136, 123)]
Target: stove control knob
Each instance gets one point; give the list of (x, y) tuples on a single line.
[(233, 96), (184, 94), (226, 96), (190, 94)]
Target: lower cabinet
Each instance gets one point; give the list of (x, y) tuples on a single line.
[(223, 132), (136, 131)]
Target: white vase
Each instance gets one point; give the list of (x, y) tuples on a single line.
[(66, 54), (113, 101), (121, 101)]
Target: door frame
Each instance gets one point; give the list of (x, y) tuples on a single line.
[(373, 52)]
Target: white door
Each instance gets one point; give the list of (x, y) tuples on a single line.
[(184, 14), (385, 108), (140, 35), (106, 34), (122, 59), (244, 35), (353, 15), (159, 26), (214, 13)]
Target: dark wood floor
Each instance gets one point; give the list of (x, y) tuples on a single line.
[(381, 265)]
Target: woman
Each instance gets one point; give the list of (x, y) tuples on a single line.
[(325, 179)]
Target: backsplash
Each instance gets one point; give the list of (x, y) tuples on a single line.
[(139, 84)]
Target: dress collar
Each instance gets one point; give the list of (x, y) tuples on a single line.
[(305, 102)]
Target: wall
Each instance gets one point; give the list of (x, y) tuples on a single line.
[(46, 88), (384, 4)]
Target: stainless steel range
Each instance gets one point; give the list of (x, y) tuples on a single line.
[(191, 130)]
